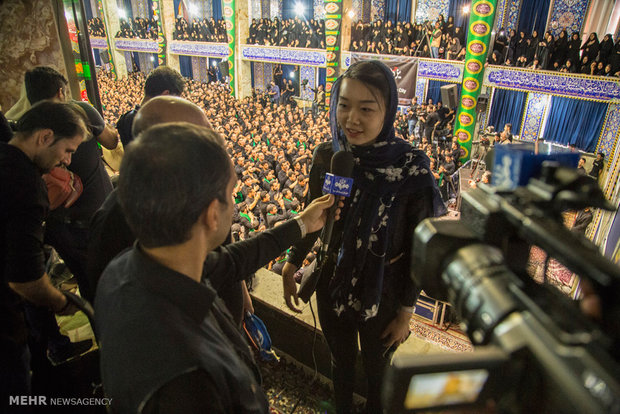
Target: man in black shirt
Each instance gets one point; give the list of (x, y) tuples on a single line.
[(158, 299), (47, 135), (597, 165), (163, 80), (67, 228)]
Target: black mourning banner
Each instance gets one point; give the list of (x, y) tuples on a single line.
[(404, 68)]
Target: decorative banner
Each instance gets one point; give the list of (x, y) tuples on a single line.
[(404, 70), (108, 39), (228, 10), (333, 23), (161, 39), (478, 37)]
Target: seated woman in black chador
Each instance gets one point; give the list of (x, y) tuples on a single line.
[(364, 288)]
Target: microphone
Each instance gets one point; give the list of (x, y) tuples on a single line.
[(338, 183)]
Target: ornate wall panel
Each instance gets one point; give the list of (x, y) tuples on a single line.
[(358, 8), (276, 9), (583, 87), (141, 10), (442, 70), (420, 87), (377, 10), (128, 61), (611, 131), (255, 12), (569, 15), (512, 14), (286, 55), (307, 72), (219, 50), (319, 9), (137, 45), (431, 9), (345, 60), (267, 74), (259, 77), (500, 16), (537, 104)]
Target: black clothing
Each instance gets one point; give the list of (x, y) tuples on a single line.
[(124, 124), (145, 309), (67, 228), (23, 208), (597, 167)]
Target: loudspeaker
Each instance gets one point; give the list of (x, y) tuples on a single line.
[(448, 96), (483, 101), (223, 65)]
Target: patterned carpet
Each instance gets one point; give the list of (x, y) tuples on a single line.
[(450, 340)]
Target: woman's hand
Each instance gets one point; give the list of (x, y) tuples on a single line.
[(289, 286), (397, 330)]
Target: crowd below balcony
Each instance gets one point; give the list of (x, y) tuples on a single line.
[(289, 33), (200, 30)]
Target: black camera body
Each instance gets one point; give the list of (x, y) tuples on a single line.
[(535, 351)]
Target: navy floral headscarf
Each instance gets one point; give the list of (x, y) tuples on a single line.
[(388, 168)]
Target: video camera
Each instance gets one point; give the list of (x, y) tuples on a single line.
[(535, 351)]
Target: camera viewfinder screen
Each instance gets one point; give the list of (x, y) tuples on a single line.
[(445, 388)]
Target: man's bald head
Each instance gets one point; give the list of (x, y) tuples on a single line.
[(166, 108)]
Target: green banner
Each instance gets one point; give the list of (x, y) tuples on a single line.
[(478, 39), (161, 39), (228, 11), (333, 24)]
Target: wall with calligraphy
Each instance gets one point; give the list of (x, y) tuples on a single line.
[(431, 9), (537, 104), (420, 88), (309, 73), (569, 15)]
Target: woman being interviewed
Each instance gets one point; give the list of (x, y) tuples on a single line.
[(365, 286)]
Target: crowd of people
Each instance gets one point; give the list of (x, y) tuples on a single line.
[(200, 30), (558, 53), (137, 28), (441, 40), (287, 32), (271, 145), (96, 28)]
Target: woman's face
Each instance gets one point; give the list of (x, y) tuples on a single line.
[(359, 114)]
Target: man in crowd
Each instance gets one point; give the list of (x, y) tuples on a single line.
[(157, 299), (274, 93), (47, 135), (67, 228), (163, 80), (597, 165)]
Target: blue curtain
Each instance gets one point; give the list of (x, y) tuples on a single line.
[(507, 108), (149, 6), (434, 90), (96, 56), (185, 64), (322, 76), (217, 9), (176, 7), (533, 16), (288, 9), (573, 121), (456, 10), (398, 10), (155, 60)]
